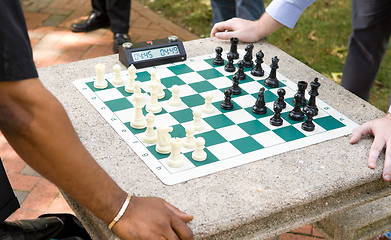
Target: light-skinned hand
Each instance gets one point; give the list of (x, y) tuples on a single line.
[(381, 130)]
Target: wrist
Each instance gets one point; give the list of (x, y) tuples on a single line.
[(120, 212)]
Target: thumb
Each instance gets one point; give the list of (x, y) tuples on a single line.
[(224, 35), (183, 216)]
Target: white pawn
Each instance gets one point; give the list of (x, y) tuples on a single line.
[(175, 159), (153, 105), (138, 120), (199, 154), (129, 87), (197, 123), (175, 100), (155, 76), (117, 80), (163, 145), (208, 106), (150, 135), (100, 81), (189, 141)]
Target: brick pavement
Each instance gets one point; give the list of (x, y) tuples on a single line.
[(48, 22)]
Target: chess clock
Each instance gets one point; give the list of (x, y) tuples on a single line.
[(152, 53)]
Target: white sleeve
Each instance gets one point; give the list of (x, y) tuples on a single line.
[(287, 12), (389, 110)]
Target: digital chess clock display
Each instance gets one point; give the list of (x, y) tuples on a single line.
[(152, 52), (155, 53)]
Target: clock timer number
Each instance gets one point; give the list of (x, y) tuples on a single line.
[(137, 56), (169, 51)]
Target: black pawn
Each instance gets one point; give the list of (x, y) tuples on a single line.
[(236, 90), (308, 125), (276, 120), (230, 67), (313, 94), (234, 47), (301, 86), (257, 70), (296, 114), (272, 80), (227, 103), (240, 71), (259, 107), (218, 60), (280, 100), (248, 57)]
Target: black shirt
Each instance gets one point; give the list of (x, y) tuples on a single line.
[(16, 58), (16, 63)]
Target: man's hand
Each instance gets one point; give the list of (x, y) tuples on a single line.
[(150, 218), (381, 130), (245, 30), (242, 29)]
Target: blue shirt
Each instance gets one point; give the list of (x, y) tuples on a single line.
[(287, 12)]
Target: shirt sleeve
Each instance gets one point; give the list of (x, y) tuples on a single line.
[(389, 109), (16, 57), (287, 12)]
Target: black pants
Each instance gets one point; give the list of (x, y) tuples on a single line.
[(371, 21), (8, 202), (116, 11)]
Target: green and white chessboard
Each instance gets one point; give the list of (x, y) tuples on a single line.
[(233, 137)]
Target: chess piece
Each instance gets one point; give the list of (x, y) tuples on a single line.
[(150, 134), (218, 60), (100, 81), (117, 79), (308, 125), (227, 103), (189, 141), (280, 100), (248, 57), (259, 106), (163, 145), (175, 160), (313, 94), (129, 87), (208, 106), (138, 120), (197, 122), (240, 71), (230, 67), (155, 76), (175, 99), (236, 90), (234, 47), (296, 114), (276, 120), (257, 70), (301, 86), (199, 153), (154, 106), (272, 80)]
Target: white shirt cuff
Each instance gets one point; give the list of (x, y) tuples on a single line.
[(287, 12)]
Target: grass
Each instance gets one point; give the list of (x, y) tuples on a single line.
[(319, 39)]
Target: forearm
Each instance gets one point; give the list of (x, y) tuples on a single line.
[(37, 127)]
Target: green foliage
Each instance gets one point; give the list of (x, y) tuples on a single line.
[(319, 39), (193, 15)]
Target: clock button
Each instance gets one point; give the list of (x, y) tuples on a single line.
[(127, 45), (173, 38)]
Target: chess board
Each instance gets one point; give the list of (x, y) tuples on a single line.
[(233, 137)]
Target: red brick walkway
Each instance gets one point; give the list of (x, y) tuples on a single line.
[(48, 22)]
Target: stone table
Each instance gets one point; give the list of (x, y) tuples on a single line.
[(253, 201)]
